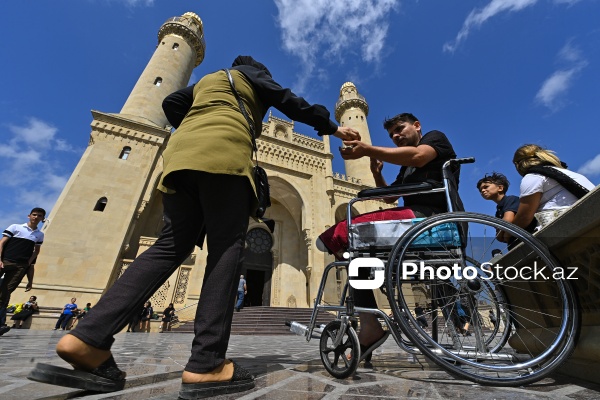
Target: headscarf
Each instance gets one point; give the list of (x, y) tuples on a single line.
[(247, 60)]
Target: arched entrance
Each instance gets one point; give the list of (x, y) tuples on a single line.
[(258, 267)]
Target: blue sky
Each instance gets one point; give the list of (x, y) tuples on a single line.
[(491, 74)]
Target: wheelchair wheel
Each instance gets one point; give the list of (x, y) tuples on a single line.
[(445, 262), (493, 294), (339, 360)]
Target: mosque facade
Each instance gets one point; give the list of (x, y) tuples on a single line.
[(110, 210)]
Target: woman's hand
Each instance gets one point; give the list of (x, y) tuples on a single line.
[(347, 133)]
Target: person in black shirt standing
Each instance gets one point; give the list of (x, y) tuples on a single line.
[(19, 247), (167, 315), (421, 158)]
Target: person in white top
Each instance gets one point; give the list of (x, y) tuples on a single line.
[(543, 197)]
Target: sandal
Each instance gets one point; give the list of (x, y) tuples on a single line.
[(241, 380), (105, 378)]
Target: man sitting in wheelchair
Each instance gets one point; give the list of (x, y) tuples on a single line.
[(421, 158)]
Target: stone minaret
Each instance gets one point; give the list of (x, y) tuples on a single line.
[(180, 49), (352, 109), (91, 225)]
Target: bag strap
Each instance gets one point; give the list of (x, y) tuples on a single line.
[(565, 180), (244, 112)]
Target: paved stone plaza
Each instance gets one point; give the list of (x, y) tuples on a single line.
[(286, 367)]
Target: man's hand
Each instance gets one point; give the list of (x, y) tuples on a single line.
[(347, 133), (376, 166), (358, 150), (29, 286)]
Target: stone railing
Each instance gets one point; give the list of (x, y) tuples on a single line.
[(574, 240)]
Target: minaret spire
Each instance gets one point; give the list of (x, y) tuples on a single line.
[(180, 49), (351, 110)]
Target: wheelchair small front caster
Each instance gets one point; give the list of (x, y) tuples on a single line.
[(341, 359)]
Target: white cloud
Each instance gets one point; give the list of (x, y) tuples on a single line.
[(568, 2), (37, 133), (591, 167), (478, 16), (554, 88), (133, 3), (31, 174), (333, 29), (62, 145)]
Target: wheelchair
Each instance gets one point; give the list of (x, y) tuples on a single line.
[(536, 317)]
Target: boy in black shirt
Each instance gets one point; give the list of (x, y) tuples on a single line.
[(494, 187)]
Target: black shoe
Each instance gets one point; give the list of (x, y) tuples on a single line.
[(237, 309), (106, 378), (4, 329), (241, 381)]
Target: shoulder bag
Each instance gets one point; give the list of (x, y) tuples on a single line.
[(261, 181)]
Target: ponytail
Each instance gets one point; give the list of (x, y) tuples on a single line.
[(531, 155)]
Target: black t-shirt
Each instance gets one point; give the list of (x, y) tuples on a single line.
[(508, 203), (419, 311), (431, 172), (511, 203), (168, 313)]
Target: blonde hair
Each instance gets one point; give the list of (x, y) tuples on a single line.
[(531, 155)]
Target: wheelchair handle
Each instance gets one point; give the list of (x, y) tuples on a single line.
[(466, 160), (457, 161)]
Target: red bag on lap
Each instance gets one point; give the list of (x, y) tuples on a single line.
[(335, 238)]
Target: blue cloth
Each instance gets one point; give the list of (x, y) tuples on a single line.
[(241, 285), (240, 302), (461, 312), (69, 309)]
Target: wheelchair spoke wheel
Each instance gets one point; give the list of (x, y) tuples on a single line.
[(340, 356), (505, 320)]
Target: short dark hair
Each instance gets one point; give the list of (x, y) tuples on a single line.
[(497, 179), (38, 209), (404, 117)]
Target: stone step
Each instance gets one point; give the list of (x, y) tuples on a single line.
[(265, 320)]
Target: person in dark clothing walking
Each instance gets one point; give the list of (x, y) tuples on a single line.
[(242, 291), (207, 184), (146, 316)]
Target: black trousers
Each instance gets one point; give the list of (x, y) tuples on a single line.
[(13, 275), (63, 321), (221, 204)]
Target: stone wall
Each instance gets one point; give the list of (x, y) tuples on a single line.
[(574, 240)]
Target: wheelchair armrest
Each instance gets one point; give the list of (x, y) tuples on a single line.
[(395, 190)]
